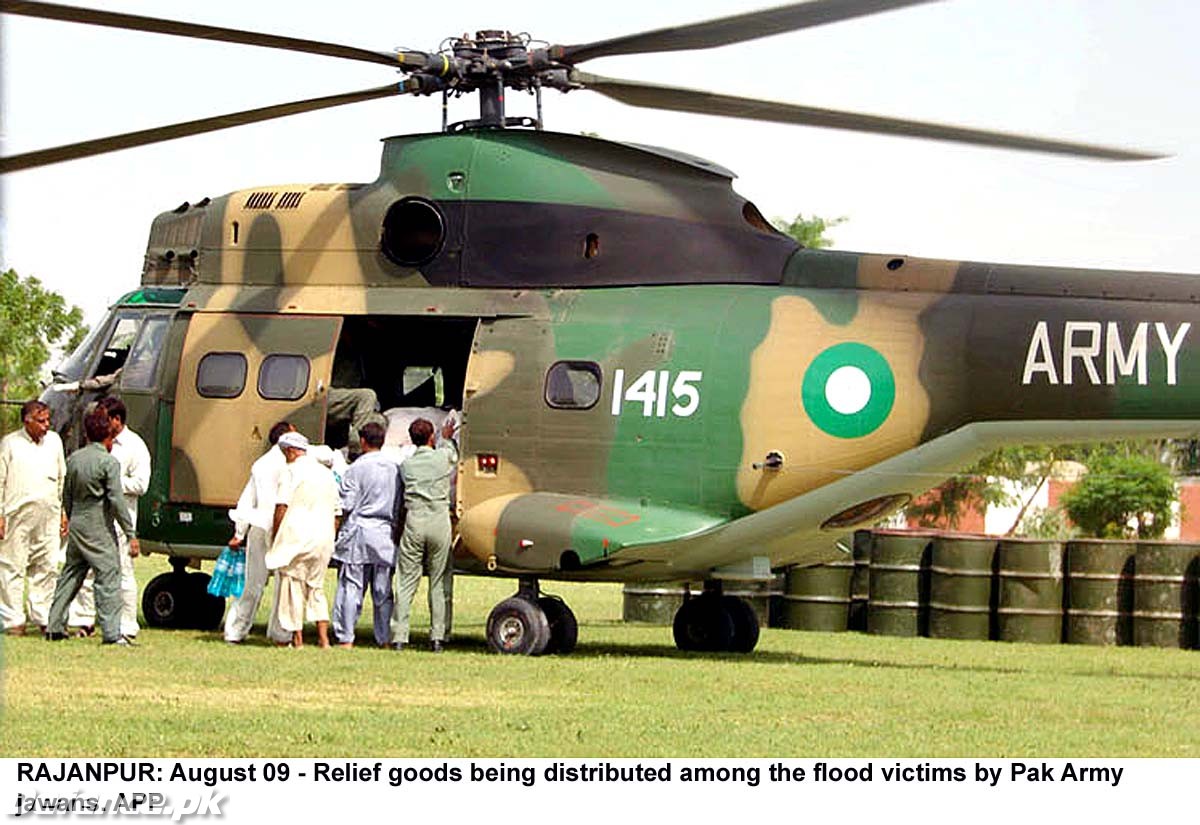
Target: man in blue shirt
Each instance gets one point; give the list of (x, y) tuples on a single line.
[(364, 548)]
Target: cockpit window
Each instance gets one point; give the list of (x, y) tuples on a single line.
[(140, 366), (72, 367), (120, 336), (117, 350)]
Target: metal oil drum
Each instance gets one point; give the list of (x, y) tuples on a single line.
[(762, 596), (1099, 599), (899, 583), (818, 597), (860, 582), (1164, 594), (1029, 606), (961, 587), (653, 602)]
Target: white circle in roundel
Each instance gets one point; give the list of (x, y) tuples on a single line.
[(848, 390)]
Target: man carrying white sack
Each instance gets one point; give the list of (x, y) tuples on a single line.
[(306, 509), (253, 520)]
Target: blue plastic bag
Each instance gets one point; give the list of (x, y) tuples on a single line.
[(229, 574)]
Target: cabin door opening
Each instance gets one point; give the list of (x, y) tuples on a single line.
[(415, 367)]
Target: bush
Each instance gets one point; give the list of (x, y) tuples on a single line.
[(1119, 491)]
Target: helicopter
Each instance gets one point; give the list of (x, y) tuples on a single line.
[(655, 384)]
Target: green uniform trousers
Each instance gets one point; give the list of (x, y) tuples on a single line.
[(107, 565), (425, 544)]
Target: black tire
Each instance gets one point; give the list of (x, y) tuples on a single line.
[(166, 600), (745, 624), (518, 626), (703, 624), (206, 610), (564, 629)]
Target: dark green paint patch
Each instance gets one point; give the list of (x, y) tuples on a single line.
[(832, 278), (670, 459)]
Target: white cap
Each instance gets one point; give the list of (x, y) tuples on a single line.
[(295, 440)]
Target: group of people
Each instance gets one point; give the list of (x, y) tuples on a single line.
[(384, 517), (90, 499), (388, 518)]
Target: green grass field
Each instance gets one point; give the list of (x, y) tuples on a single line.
[(626, 691)]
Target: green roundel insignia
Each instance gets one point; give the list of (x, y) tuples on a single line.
[(848, 390)]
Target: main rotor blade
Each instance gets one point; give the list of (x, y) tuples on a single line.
[(735, 29), (99, 146), (707, 103), (117, 20)]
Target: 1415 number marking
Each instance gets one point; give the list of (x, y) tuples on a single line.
[(651, 389)]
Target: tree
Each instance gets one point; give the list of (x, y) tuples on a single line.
[(1119, 490), (809, 232), (33, 321), (1028, 466)]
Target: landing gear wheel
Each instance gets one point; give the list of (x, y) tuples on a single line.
[(703, 624), (518, 625), (206, 609), (564, 629), (745, 624), (166, 600)]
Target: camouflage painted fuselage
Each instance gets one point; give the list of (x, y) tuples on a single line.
[(752, 398)]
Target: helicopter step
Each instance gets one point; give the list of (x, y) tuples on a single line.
[(532, 624), (180, 599), (714, 622)]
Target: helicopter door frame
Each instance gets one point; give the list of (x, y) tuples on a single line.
[(240, 373)]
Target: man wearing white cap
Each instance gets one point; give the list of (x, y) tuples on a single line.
[(306, 506)]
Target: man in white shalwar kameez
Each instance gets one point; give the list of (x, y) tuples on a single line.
[(306, 506), (253, 518), (32, 471)]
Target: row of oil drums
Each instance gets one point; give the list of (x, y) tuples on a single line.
[(954, 586)]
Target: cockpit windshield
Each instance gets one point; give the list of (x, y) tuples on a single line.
[(73, 366)]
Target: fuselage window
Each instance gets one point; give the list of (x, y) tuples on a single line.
[(221, 375), (139, 372), (573, 385), (283, 377)]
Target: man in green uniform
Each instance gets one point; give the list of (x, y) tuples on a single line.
[(425, 543), (92, 501)]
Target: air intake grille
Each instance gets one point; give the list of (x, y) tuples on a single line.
[(260, 200), (267, 200)]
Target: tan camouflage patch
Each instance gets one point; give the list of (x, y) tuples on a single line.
[(774, 418), (479, 525), (486, 370), (898, 272), (218, 438)]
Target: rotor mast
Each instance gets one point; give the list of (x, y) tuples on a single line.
[(488, 64)]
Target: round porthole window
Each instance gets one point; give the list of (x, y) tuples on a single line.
[(413, 232)]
